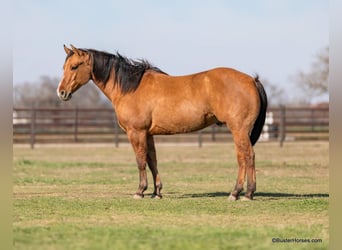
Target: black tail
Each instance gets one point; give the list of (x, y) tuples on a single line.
[(260, 121)]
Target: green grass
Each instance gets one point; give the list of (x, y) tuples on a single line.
[(80, 197)]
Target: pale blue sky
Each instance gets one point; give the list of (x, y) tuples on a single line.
[(272, 38)]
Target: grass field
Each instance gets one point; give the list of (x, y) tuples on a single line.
[(80, 197)]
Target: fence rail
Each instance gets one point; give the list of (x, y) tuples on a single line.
[(43, 125)]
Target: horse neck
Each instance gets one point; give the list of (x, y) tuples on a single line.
[(109, 89)]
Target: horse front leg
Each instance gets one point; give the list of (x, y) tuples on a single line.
[(139, 144), (152, 164)]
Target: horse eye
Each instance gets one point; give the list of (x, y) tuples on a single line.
[(74, 67)]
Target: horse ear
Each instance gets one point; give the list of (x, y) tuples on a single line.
[(76, 50), (66, 49)]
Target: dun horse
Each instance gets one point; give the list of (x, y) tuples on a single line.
[(149, 102)]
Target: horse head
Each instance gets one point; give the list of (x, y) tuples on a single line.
[(77, 72)]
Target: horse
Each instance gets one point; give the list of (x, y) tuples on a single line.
[(148, 102)]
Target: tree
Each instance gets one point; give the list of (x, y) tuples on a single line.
[(315, 82), (42, 94), (275, 94)]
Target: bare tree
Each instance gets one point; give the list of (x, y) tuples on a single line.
[(315, 82), (275, 94), (43, 94)]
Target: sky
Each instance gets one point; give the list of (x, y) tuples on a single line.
[(274, 39)]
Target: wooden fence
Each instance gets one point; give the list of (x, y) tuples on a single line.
[(43, 125)]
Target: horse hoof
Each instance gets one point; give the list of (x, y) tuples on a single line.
[(232, 198), (245, 198), (156, 197), (138, 196)]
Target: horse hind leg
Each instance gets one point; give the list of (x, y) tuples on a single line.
[(152, 164), (245, 158)]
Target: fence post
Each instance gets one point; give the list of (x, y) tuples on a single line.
[(76, 125), (200, 138), (312, 120), (33, 128), (116, 132), (282, 125), (213, 133)]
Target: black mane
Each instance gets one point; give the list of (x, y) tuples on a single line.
[(128, 72)]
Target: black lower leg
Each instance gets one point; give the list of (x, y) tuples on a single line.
[(157, 190), (251, 187), (237, 190)]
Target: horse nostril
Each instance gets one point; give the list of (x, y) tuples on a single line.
[(64, 95)]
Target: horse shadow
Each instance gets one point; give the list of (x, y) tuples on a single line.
[(264, 195)]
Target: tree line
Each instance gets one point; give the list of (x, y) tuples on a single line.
[(43, 94)]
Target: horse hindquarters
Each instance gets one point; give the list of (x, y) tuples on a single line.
[(244, 143), (244, 116)]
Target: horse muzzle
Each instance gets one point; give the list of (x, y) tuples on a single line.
[(64, 95)]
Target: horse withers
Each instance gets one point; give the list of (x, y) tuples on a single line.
[(149, 102)]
